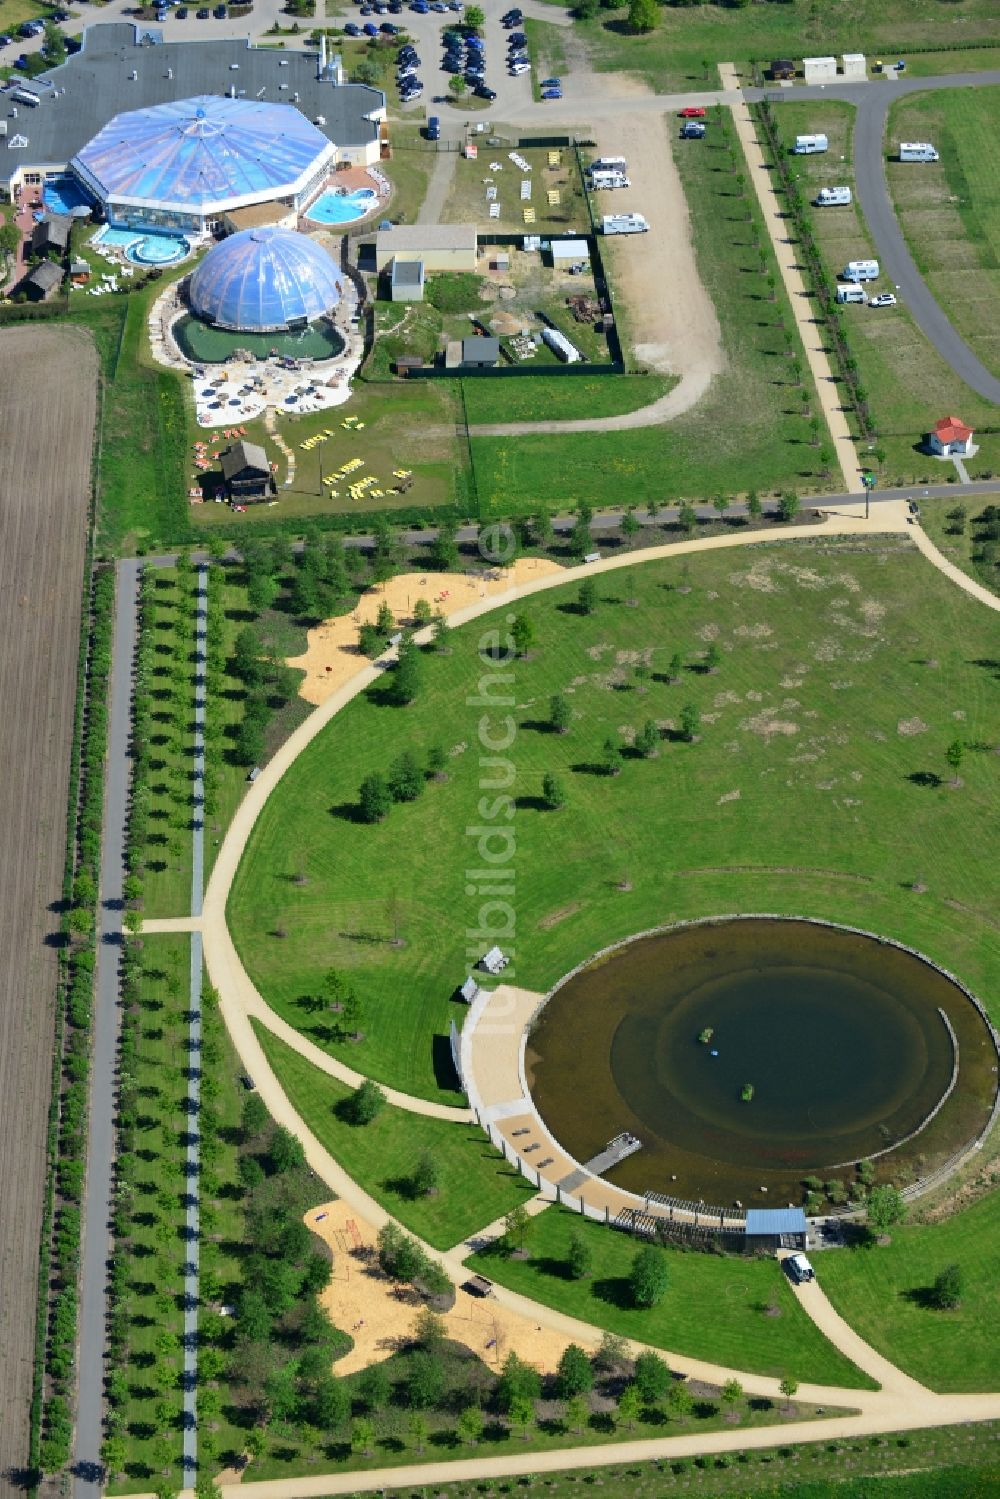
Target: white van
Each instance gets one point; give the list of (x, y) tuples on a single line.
[(608, 164), (861, 270), (799, 1268), (917, 151), (850, 292), (806, 145), (829, 197), (624, 223), (609, 179)]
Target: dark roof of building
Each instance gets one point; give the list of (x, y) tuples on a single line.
[(52, 231), (480, 349), (241, 456), (775, 1221), (80, 96), (46, 275)]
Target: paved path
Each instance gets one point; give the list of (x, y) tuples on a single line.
[(87, 1483), (786, 253)]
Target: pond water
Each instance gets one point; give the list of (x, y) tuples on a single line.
[(207, 345), (839, 1036)]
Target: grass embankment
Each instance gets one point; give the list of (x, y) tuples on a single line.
[(885, 1295), (836, 687), (712, 1309), (949, 210), (476, 1184), (750, 430), (560, 398), (682, 50), (909, 384)]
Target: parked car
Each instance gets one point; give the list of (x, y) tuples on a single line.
[(482, 92), (395, 7), (692, 130), (516, 68), (884, 299), (60, 15), (181, 12), (408, 55), (370, 29), (219, 12), (512, 18), (454, 4), (692, 112), (517, 38), (421, 7), (552, 93), (5, 41), (433, 128), (799, 1268), (551, 83), (349, 30), (202, 14), (388, 29)]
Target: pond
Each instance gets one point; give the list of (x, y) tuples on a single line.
[(751, 1053), (205, 344)]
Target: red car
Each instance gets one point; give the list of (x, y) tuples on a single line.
[(693, 112)]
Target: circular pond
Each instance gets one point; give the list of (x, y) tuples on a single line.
[(747, 1054), (205, 344)]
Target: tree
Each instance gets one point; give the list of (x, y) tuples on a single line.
[(475, 18), (371, 641), (285, 1152), (642, 15), (254, 1116), (647, 739), (788, 506), (385, 620), (406, 675), (612, 1353), (577, 1411), (946, 1292), (374, 798), (690, 722), (581, 543), (885, 1207), (518, 1380), (611, 757), (363, 1436), (429, 1332), (649, 1276), (652, 1378), (686, 517), (456, 85), (521, 1413), (713, 658), (248, 746), (732, 1392), (470, 1424), (437, 760), (553, 791), (113, 1454), (541, 528), (54, 45), (680, 1399), (365, 1103), (426, 1175), (406, 778), (629, 1403), (579, 1257), (560, 713), (515, 1227), (424, 1380), (375, 1388), (574, 1375), (788, 1386), (331, 1403), (953, 754), (674, 667), (444, 547), (522, 633), (351, 1013)]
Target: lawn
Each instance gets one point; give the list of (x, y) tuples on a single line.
[(715, 1308), (798, 800), (476, 1184), (749, 431), (910, 384), (957, 528), (681, 52), (949, 210), (560, 398), (168, 639), (883, 1293), (467, 199)]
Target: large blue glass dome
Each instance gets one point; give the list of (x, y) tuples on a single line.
[(265, 280)]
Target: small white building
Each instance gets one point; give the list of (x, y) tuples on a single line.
[(569, 251), (951, 438), (493, 961), (441, 247), (819, 69), (855, 66)]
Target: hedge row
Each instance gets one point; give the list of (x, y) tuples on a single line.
[(56, 1352)]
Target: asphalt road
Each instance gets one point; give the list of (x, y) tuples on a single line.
[(87, 1470)]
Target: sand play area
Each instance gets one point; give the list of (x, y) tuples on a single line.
[(332, 656), (361, 1301)]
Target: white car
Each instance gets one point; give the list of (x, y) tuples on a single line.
[(516, 68), (884, 299)]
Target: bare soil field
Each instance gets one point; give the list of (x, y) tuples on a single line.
[(47, 409)]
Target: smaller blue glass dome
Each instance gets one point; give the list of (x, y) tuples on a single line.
[(265, 281)]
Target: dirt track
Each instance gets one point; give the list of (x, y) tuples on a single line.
[(47, 407)]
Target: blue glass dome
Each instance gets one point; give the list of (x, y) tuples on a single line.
[(265, 280)]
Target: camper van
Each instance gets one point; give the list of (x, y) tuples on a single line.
[(829, 197), (917, 151), (624, 223), (850, 292), (806, 145), (608, 164), (609, 179), (861, 270)]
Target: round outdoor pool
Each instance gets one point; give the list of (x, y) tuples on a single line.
[(749, 1054), (157, 249), (204, 344), (336, 206)]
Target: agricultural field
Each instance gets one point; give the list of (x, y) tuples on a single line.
[(885, 1293), (680, 53), (832, 710), (47, 419), (949, 210), (687, 1320), (910, 384), (751, 429)]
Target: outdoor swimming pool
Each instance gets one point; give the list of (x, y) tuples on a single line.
[(337, 207), (142, 248), (63, 195)]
